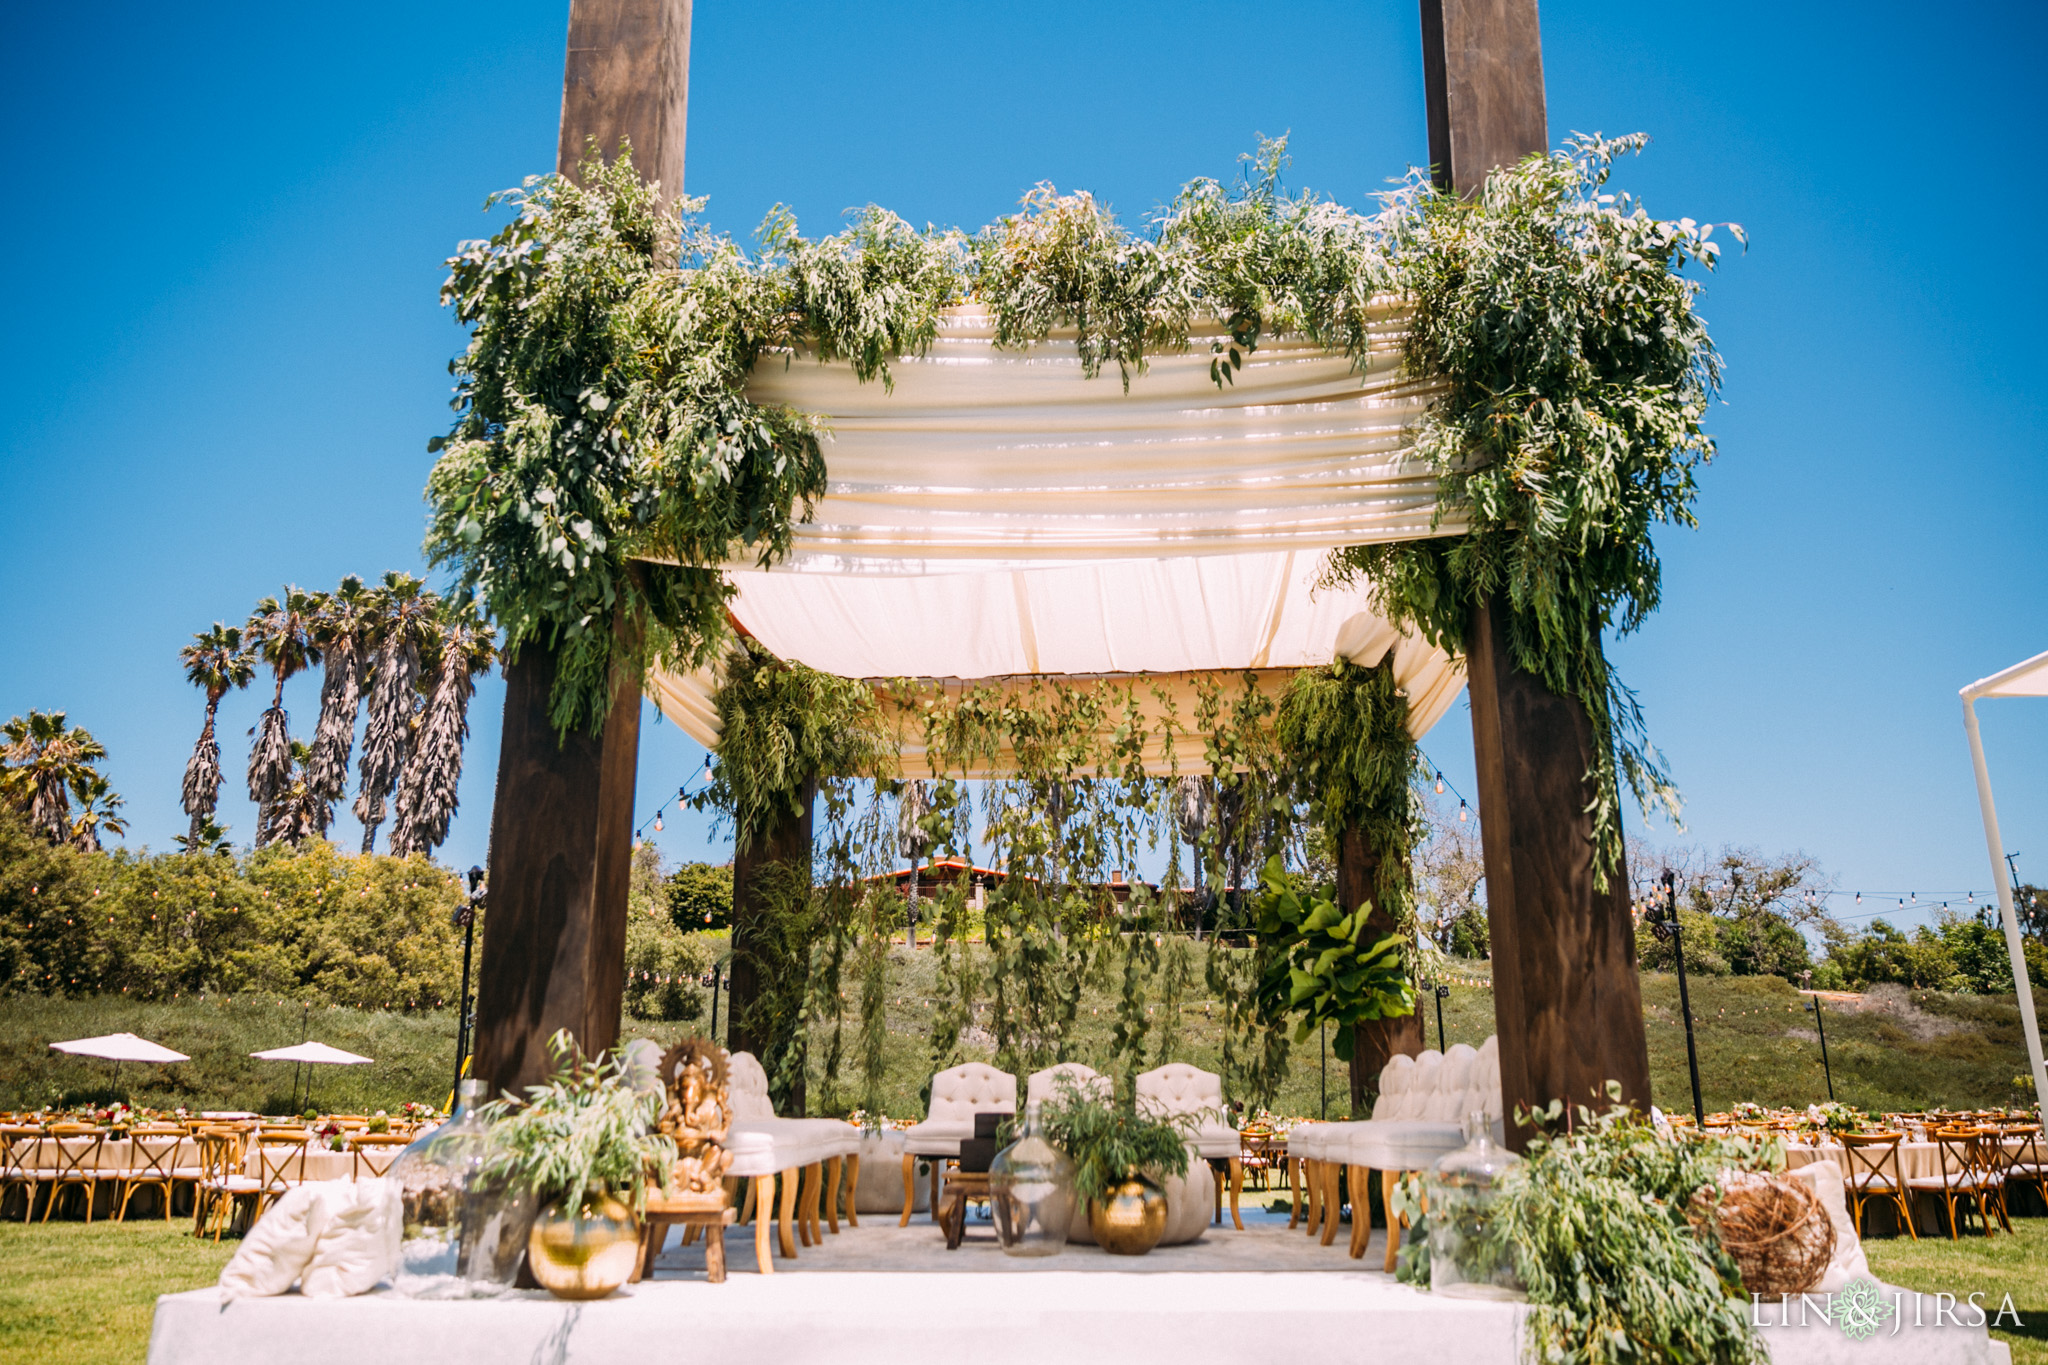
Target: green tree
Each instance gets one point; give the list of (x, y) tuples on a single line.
[(700, 897), (42, 762), (215, 663)]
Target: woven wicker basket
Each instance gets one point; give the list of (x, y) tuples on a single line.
[(1775, 1230)]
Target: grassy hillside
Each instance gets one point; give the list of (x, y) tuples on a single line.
[(1756, 1042)]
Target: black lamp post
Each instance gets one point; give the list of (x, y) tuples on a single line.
[(1821, 1026), (1443, 993), (1668, 931), (465, 917)]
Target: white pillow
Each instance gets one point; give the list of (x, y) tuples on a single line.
[(359, 1245), (1848, 1262), (277, 1250)]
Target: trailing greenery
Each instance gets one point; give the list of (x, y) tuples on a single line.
[(1322, 966), (599, 416), (1344, 730), (782, 726), (583, 1133), (1578, 375), (1110, 1140), (601, 413), (1596, 1218)]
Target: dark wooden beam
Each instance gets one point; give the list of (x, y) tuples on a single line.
[(1567, 1001), (628, 76), (554, 945), (1482, 65), (1376, 1042), (774, 860), (554, 948)]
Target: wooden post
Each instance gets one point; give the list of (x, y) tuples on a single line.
[(1374, 1042), (554, 948), (1567, 1002), (755, 876)]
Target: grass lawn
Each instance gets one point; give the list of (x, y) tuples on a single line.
[(85, 1295), (2001, 1265)]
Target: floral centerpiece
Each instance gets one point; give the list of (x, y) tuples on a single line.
[(587, 1144), (1118, 1154), (1835, 1119)]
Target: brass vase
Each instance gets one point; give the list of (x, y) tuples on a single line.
[(585, 1254), (1128, 1218)]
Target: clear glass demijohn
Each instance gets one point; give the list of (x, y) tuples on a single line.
[(1031, 1187), (1468, 1257), (464, 1234)]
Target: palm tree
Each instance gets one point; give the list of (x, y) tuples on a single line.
[(297, 813), (44, 760), (99, 810), (209, 838), (343, 628), (215, 662), (281, 631), (408, 613), (426, 793)]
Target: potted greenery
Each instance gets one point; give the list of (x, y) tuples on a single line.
[(586, 1144), (1118, 1155)]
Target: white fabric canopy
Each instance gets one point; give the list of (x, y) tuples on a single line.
[(120, 1047), (312, 1052), (2029, 679), (998, 515)]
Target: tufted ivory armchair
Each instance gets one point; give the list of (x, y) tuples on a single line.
[(805, 1157), (958, 1094), (1178, 1088), (1044, 1086)]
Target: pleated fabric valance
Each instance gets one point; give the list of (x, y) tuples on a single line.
[(1001, 516)]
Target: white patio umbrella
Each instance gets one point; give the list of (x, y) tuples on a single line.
[(2029, 679), (119, 1048), (318, 1054)]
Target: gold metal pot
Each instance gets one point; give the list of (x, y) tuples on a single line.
[(585, 1255), (1130, 1216)]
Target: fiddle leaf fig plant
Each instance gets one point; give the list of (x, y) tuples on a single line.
[(1319, 966)]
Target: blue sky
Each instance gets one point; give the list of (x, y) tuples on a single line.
[(223, 353)]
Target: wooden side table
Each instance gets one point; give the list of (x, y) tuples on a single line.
[(951, 1213), (707, 1211)]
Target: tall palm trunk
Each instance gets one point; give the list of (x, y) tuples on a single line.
[(426, 794), (385, 738), (201, 796), (270, 761), (335, 735)]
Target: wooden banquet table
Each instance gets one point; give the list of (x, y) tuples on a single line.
[(1917, 1160)]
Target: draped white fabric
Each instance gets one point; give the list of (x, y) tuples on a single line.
[(999, 515)]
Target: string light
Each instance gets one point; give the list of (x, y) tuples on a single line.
[(1462, 813)]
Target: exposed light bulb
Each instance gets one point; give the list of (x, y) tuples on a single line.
[(1859, 898), (1461, 813), (1439, 784), (657, 824)]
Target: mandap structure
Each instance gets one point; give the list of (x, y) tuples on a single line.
[(1265, 435)]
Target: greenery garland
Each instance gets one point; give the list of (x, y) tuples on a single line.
[(601, 412), (1579, 374), (1344, 730)]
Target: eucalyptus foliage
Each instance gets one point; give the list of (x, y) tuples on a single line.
[(1578, 374), (582, 1134), (1111, 1140), (1616, 1274)]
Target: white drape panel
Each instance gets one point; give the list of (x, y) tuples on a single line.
[(986, 454), (1000, 516)]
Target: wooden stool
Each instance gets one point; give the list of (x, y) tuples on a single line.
[(951, 1213), (707, 1211)]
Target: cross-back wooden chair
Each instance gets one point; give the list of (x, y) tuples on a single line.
[(23, 1165), (221, 1182), (152, 1164), (78, 1149), (280, 1165), (371, 1154), (1871, 1170), (1963, 1175)]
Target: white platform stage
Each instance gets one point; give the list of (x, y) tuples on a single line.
[(883, 1294)]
